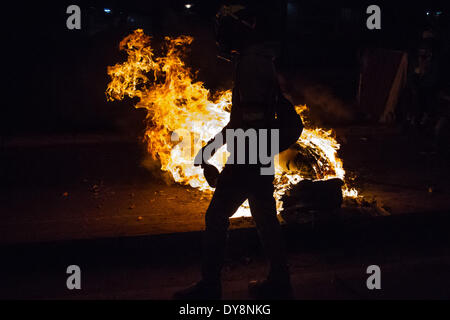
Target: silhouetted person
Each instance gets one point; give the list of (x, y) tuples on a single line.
[(255, 90)]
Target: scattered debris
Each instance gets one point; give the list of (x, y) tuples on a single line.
[(366, 205), (381, 209)]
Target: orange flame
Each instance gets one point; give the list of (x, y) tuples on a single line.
[(182, 115)]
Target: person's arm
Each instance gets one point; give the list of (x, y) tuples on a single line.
[(220, 138)]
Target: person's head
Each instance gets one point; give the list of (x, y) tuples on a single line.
[(235, 29)]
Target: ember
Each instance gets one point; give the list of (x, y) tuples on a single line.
[(182, 115)]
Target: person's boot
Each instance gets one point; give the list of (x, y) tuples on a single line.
[(270, 289), (200, 291)]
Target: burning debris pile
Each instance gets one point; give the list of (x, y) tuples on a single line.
[(182, 115)]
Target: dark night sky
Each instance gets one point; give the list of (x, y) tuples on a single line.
[(56, 77)]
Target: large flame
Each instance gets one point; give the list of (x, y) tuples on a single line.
[(182, 115)]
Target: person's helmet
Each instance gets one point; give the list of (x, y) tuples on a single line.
[(234, 28)]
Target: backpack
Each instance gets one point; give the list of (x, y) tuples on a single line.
[(287, 121), (276, 114), (280, 114)]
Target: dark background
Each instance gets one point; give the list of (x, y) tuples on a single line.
[(73, 189), (55, 78)]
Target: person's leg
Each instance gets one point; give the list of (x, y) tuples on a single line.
[(263, 208), (227, 198)]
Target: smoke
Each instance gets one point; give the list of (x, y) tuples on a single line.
[(325, 107)]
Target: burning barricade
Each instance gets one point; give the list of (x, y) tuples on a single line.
[(178, 106)]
